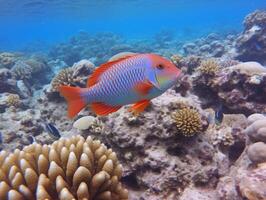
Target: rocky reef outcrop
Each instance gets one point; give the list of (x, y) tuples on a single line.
[(246, 180), (240, 88), (251, 44)]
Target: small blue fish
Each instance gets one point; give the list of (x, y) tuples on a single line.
[(52, 130), (219, 115)]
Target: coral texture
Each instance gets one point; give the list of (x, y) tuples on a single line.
[(251, 44), (188, 121), (64, 77), (13, 100), (208, 67), (7, 60), (73, 76), (72, 168), (25, 70), (240, 87)]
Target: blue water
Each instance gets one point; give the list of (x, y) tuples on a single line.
[(46, 22)]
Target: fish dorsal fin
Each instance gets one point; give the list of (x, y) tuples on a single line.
[(93, 79)]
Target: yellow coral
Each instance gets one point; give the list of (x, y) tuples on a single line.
[(209, 67), (65, 77), (13, 100), (74, 168), (188, 121)]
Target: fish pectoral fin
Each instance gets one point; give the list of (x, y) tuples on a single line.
[(103, 109), (139, 106), (144, 87)]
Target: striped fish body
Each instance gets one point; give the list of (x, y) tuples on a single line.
[(116, 86), (136, 79)]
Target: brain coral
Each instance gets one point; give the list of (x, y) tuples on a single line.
[(71, 169), (188, 121)]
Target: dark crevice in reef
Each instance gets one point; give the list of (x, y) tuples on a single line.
[(131, 181), (176, 151), (236, 150)]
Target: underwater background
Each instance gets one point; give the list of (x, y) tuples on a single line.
[(49, 22), (202, 139)]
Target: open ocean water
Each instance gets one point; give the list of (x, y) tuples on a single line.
[(51, 21)]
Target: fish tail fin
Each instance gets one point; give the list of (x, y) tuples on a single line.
[(74, 99)]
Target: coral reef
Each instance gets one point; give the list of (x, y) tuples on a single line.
[(67, 169), (188, 121), (247, 179), (25, 70), (13, 100), (7, 60), (208, 67), (239, 87), (251, 44), (64, 77), (7, 81), (211, 46), (73, 76), (224, 158), (176, 58)]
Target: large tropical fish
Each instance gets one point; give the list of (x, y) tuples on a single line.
[(134, 79)]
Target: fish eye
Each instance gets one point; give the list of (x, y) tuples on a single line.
[(160, 67)]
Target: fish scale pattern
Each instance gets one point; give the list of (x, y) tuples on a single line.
[(127, 77), (73, 168)]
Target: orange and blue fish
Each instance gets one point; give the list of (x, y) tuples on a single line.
[(134, 79)]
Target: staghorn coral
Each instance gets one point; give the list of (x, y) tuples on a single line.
[(13, 100), (72, 168), (188, 121), (64, 77), (208, 67)]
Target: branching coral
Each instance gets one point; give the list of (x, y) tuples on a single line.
[(72, 168), (188, 121), (65, 77), (223, 137), (176, 58), (74, 76), (208, 67), (13, 100)]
